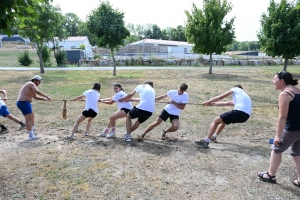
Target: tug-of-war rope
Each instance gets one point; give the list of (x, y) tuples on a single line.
[(65, 117)]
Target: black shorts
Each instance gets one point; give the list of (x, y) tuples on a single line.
[(234, 116), (89, 113), (125, 110), (142, 115), (164, 115)]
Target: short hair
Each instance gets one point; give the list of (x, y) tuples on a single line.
[(183, 87), (287, 77), (97, 86), (149, 83), (239, 86)]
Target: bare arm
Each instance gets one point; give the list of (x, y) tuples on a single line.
[(133, 99), (161, 97), (283, 103), (227, 103), (36, 91), (78, 98), (4, 94), (128, 96), (181, 106), (217, 98)]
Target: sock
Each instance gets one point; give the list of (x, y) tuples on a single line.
[(207, 139), (106, 129), (32, 128), (113, 128), (215, 135), (31, 134)]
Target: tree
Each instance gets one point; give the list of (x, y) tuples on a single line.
[(108, 25), (43, 29), (153, 31), (208, 30), (83, 31), (72, 23), (280, 31), (11, 11)]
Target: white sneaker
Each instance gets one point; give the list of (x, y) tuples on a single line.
[(111, 134), (33, 138), (86, 134), (70, 137), (102, 134)]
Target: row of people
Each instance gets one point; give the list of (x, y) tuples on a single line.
[(287, 131)]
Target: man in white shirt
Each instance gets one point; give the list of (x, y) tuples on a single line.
[(178, 99), (240, 113), (143, 110)]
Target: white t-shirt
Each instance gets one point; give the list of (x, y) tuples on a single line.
[(2, 103), (241, 100), (173, 94), (123, 104), (147, 97), (92, 97)]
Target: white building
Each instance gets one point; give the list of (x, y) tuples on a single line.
[(173, 46), (74, 43)]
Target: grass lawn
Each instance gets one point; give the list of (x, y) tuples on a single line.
[(100, 168)]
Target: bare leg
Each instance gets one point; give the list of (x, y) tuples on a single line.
[(78, 121), (174, 127), (297, 162), (29, 121), (117, 115), (13, 118), (152, 125), (135, 126), (220, 128), (213, 126), (128, 124), (88, 125), (275, 161)]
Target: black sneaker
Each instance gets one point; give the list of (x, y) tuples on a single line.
[(22, 126), (4, 130), (202, 143)]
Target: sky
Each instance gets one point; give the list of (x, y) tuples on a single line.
[(170, 13)]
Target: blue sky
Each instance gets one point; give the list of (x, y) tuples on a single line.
[(170, 13)]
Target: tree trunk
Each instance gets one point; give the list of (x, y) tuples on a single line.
[(285, 64), (114, 62), (54, 47), (40, 50), (210, 63)]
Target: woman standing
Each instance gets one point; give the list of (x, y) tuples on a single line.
[(288, 126), (90, 111), (123, 109)]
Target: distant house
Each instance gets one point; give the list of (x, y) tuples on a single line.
[(14, 38), (173, 46), (74, 43)]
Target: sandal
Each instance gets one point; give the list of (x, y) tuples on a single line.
[(297, 182), (141, 138), (262, 178)]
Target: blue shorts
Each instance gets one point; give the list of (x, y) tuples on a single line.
[(25, 107), (4, 111)]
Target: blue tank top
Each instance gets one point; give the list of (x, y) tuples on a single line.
[(293, 118)]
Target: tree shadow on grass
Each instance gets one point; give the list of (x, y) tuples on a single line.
[(290, 188)]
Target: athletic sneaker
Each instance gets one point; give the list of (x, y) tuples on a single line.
[(70, 137), (22, 126), (33, 138), (86, 134), (202, 143), (163, 135), (214, 139), (127, 137), (102, 134), (4, 130), (111, 134)]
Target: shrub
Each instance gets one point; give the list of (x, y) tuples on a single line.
[(61, 58), (97, 56), (82, 46), (46, 56), (24, 59)]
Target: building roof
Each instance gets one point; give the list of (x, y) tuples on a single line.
[(75, 38), (162, 42)]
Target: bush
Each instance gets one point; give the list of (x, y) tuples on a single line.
[(99, 57), (24, 59), (61, 58), (46, 52)]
